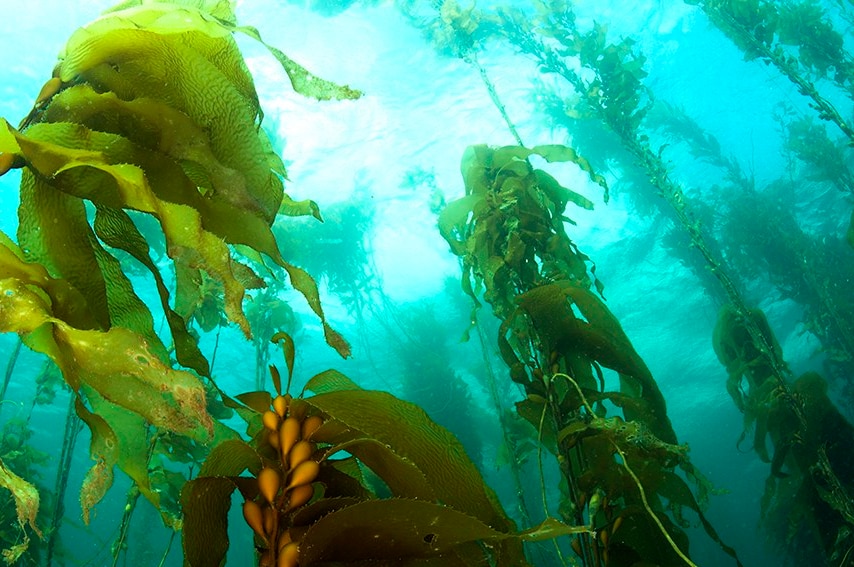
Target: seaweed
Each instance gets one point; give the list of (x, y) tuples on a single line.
[(807, 505), (764, 30), (150, 111), (556, 337), (309, 505)]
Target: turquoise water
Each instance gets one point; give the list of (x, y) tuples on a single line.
[(380, 167)]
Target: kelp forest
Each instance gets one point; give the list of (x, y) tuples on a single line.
[(427, 283)]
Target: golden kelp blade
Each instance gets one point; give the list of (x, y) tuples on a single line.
[(26, 506)]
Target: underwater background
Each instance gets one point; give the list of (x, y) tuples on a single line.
[(767, 178)]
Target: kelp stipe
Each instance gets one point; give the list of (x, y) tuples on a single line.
[(109, 133)]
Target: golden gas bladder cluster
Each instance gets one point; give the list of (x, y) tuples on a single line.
[(283, 489)]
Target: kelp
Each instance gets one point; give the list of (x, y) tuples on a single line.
[(556, 337), (766, 30), (26, 499), (527, 224), (151, 114), (745, 363), (596, 335), (808, 491), (438, 510)]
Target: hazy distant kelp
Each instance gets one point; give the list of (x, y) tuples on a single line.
[(22, 458), (796, 37), (806, 507), (764, 240), (758, 234), (336, 250), (428, 377), (801, 41), (108, 132)]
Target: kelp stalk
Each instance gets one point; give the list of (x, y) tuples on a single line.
[(69, 439), (745, 33), (10, 368)]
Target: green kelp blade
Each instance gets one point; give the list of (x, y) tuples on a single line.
[(156, 126), (559, 194), (303, 81), (396, 529), (401, 475), (66, 301), (477, 159), (551, 528), (413, 435), (210, 38), (205, 503), (473, 167), (407, 432), (54, 231), (453, 219), (677, 492), (557, 152), (289, 352), (330, 381), (222, 10), (127, 309), (306, 207), (182, 225), (130, 440), (600, 337), (26, 499), (116, 229), (105, 451), (306, 285), (196, 87), (231, 458), (219, 13), (117, 363), (259, 401)]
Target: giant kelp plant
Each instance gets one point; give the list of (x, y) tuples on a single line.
[(557, 336), (605, 81), (404, 493), (151, 111)]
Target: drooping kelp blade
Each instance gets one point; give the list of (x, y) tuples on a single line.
[(116, 229), (601, 338), (26, 499), (116, 363), (207, 499), (99, 166)]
